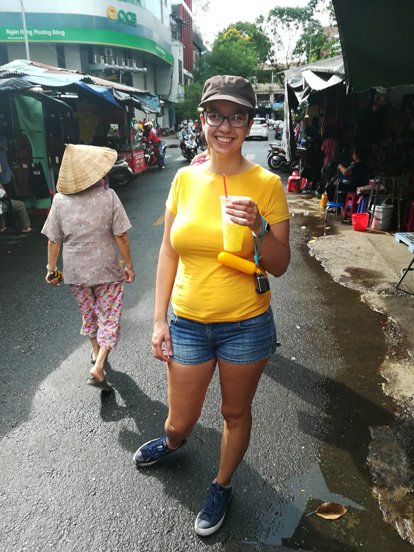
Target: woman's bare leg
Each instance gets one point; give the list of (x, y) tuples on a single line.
[(238, 387), (187, 387), (95, 347), (98, 369)]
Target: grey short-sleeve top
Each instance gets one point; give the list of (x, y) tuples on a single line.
[(85, 223)]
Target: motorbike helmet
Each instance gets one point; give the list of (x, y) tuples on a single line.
[(148, 125)]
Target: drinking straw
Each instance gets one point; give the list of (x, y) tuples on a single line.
[(225, 187)]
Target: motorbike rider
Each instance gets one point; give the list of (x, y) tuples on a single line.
[(184, 134), (150, 136)]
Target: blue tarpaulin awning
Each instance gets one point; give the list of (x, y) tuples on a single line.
[(56, 78)]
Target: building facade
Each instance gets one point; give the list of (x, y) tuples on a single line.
[(146, 44)]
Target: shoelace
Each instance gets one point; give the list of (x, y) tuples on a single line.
[(156, 450), (213, 504)]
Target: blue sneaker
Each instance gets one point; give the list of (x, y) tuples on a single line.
[(213, 512), (149, 453)]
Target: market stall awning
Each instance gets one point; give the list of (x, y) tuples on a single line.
[(322, 74), (150, 103), (377, 42), (14, 85), (55, 77), (300, 82)]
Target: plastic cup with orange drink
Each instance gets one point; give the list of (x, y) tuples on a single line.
[(232, 232)]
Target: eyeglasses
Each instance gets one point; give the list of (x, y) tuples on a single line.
[(236, 120)]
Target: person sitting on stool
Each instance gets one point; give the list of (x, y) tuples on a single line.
[(352, 177), (19, 209), (313, 163)]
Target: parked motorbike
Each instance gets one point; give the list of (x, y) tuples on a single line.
[(201, 140), (189, 147), (138, 135), (151, 153), (276, 159), (121, 173)]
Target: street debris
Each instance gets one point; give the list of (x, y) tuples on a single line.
[(330, 510)]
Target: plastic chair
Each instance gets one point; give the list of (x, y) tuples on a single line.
[(334, 206), (306, 185), (350, 206)]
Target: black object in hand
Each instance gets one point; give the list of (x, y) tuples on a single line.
[(55, 274)]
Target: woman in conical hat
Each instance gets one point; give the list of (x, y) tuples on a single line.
[(88, 219)]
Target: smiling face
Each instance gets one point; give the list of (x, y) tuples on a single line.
[(225, 139)]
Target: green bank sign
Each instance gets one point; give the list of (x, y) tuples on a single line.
[(92, 36), (129, 18)]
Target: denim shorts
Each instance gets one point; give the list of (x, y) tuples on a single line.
[(240, 342)]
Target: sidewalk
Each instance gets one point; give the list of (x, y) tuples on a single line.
[(371, 263)]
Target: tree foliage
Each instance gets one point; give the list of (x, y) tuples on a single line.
[(187, 108), (236, 51), (233, 53), (323, 6), (283, 26), (296, 35), (257, 39)]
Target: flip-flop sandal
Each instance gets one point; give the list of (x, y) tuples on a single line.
[(104, 385), (93, 360)]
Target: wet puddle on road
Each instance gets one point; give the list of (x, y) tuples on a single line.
[(356, 405)]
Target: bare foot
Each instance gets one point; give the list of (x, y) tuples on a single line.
[(97, 374), (28, 229)]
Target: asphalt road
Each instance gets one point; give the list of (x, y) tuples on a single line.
[(68, 481)]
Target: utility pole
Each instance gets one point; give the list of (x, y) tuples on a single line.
[(310, 45), (26, 42)]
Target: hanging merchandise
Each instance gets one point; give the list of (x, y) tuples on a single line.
[(38, 182), (21, 180), (23, 149)]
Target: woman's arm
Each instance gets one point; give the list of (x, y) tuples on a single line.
[(346, 171), (122, 242), (275, 249), (53, 249), (166, 271)]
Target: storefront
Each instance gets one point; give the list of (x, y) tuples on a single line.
[(125, 42), (43, 108), (380, 120)]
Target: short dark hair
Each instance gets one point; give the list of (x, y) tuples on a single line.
[(360, 151)]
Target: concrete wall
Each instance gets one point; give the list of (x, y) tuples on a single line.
[(164, 76), (38, 52), (72, 57)]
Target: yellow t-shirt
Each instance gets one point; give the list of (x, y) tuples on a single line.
[(205, 290)]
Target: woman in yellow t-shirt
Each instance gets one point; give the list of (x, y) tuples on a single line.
[(218, 316)]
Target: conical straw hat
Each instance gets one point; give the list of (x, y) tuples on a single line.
[(83, 166)]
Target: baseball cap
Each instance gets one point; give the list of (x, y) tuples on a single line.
[(230, 88)]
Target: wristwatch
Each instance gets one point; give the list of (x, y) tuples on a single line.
[(266, 229)]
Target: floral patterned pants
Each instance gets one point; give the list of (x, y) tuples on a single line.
[(101, 308)]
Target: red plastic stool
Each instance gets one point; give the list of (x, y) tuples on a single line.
[(44, 210), (408, 218), (350, 206), (306, 185), (293, 185)]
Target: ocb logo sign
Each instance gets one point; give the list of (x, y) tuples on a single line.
[(128, 18)]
